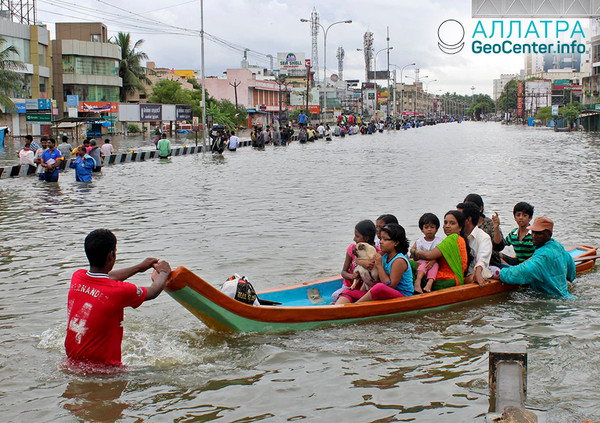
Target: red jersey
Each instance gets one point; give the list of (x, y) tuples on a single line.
[(95, 309)]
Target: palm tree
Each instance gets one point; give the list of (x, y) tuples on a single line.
[(9, 79), (131, 70)]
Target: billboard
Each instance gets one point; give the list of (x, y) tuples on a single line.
[(98, 107), (150, 112), (298, 97), (183, 112), (290, 61)]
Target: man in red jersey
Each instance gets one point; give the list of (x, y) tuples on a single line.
[(98, 296)]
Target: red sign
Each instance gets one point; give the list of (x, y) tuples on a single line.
[(313, 109), (98, 107), (520, 98), (307, 63)]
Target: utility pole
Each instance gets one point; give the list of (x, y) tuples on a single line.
[(388, 73), (307, 83), (235, 85), (204, 133)]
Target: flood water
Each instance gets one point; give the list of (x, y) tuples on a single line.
[(286, 215)]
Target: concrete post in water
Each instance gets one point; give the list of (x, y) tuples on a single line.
[(508, 379)]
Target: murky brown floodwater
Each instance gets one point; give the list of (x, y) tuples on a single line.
[(282, 216)]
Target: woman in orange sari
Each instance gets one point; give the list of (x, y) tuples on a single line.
[(451, 253)]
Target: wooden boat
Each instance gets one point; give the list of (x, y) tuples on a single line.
[(307, 305)]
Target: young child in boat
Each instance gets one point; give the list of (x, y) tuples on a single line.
[(429, 225), (381, 221), (364, 231), (520, 237)]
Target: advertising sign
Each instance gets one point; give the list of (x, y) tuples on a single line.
[(290, 60), (150, 112), (555, 110), (98, 107), (183, 112), (520, 99), (298, 97)]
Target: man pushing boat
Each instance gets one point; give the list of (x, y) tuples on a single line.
[(98, 296), (550, 267)]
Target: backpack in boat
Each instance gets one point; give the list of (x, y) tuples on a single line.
[(240, 289)]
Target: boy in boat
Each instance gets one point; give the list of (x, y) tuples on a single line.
[(520, 237), (550, 266), (98, 296)]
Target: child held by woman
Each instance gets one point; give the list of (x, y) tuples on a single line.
[(429, 225)]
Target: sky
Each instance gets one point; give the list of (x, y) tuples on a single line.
[(171, 30)]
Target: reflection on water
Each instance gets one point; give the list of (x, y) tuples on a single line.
[(286, 215), (95, 400)]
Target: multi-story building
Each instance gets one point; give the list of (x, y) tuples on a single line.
[(85, 64), (260, 96), (33, 45), (499, 84)]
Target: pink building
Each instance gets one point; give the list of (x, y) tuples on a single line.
[(259, 96)]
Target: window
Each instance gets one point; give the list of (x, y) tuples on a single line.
[(95, 38)]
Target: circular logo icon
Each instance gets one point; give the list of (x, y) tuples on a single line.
[(451, 34)]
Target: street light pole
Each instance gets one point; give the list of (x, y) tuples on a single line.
[(325, 31), (375, 68)]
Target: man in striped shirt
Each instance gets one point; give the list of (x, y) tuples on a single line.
[(519, 238)]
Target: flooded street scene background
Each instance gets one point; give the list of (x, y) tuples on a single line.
[(282, 216)]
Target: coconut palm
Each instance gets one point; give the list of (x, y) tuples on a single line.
[(131, 70), (9, 79)]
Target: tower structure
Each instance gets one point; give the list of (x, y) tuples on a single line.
[(368, 51), (20, 11), (314, 31), (340, 57)]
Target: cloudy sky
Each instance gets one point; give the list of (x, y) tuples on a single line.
[(170, 29)]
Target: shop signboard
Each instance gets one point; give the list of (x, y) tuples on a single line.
[(38, 118), (290, 61)]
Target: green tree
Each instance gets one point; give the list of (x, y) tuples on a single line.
[(482, 104), (544, 114), (169, 92), (570, 113), (223, 112), (10, 81), (130, 66), (508, 99)]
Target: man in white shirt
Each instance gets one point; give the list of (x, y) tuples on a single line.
[(26, 155), (233, 142), (321, 130), (107, 148), (38, 157), (480, 245)]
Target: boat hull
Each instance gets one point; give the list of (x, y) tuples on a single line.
[(306, 305)]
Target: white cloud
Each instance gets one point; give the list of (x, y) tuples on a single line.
[(274, 26)]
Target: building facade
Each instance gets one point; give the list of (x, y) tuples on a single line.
[(85, 64), (262, 97), (34, 55)]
